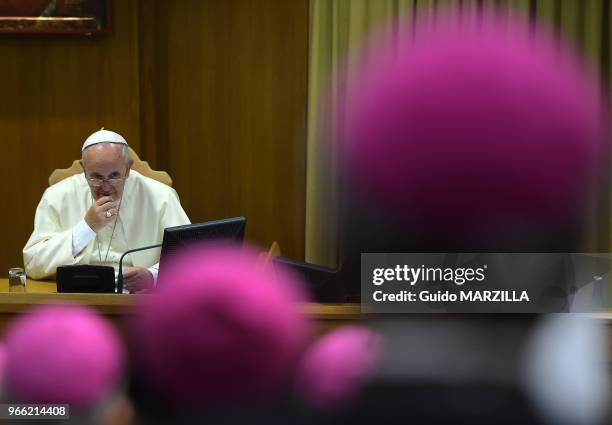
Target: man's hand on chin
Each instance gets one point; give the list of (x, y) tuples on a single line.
[(137, 279)]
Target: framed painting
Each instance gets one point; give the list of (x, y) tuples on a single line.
[(55, 16)]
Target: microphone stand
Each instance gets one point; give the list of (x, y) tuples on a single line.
[(120, 274)]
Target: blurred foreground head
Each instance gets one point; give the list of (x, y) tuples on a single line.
[(225, 334), (2, 369), (471, 134), (440, 370), (334, 370), (64, 354)]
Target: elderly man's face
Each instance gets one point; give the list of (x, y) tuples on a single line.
[(105, 170)]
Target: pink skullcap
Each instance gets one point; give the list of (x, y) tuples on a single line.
[(2, 369), (62, 354), (226, 329), (469, 121), (335, 368)]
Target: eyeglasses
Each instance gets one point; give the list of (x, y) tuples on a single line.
[(97, 182)]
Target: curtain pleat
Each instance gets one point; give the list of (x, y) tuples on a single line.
[(338, 29)]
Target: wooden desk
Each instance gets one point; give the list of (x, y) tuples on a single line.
[(32, 286), (118, 305)]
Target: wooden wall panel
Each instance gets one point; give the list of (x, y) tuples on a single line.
[(227, 119), (214, 92), (55, 91)]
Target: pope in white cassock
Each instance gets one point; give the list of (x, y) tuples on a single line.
[(95, 216)]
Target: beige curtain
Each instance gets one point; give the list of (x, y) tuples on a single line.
[(338, 29)]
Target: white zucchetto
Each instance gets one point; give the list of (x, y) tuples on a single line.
[(103, 136)]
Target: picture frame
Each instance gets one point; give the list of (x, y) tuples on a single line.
[(85, 17)]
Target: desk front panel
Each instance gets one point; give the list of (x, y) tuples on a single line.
[(117, 306)]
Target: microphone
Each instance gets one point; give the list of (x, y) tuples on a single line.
[(129, 251)]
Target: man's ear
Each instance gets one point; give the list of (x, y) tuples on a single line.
[(81, 163), (129, 167)]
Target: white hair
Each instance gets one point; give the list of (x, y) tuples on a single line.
[(125, 153)]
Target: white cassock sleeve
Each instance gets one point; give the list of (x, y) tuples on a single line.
[(154, 270), (49, 245), (173, 215), (81, 236)]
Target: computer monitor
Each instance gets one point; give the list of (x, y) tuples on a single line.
[(324, 283), (179, 237)]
